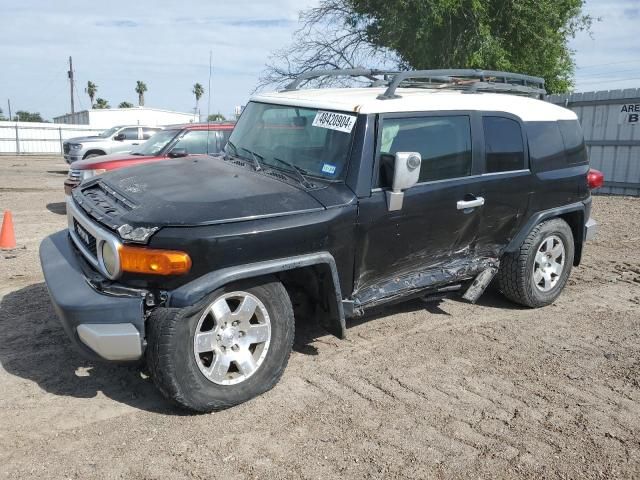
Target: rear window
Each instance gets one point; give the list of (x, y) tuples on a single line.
[(546, 146), (573, 138)]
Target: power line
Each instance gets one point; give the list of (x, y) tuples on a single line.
[(595, 65)]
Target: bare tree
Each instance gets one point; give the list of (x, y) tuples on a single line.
[(329, 37)]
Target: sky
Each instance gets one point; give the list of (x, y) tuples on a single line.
[(167, 43)]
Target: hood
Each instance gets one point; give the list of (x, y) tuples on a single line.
[(99, 162), (93, 138), (188, 192)]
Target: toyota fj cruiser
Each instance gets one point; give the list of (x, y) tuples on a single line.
[(325, 203)]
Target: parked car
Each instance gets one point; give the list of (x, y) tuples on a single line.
[(173, 142), (116, 139), (326, 203)]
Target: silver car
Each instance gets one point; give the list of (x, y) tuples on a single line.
[(117, 139)]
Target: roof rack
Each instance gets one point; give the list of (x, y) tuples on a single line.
[(463, 79), (468, 79), (348, 72)]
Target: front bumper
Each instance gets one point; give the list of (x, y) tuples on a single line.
[(70, 157), (102, 326)]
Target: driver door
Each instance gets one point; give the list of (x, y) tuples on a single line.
[(430, 233)]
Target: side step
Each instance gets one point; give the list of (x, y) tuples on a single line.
[(480, 283)]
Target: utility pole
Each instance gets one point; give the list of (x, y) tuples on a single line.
[(9, 105), (70, 73)]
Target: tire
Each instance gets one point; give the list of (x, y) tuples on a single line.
[(176, 360), (517, 269)]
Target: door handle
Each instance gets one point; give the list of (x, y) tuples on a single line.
[(464, 204)]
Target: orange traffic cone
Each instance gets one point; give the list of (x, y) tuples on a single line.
[(7, 235)]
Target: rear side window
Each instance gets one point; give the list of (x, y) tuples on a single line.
[(443, 142), (503, 144), (573, 137), (130, 133), (199, 142), (546, 146), (147, 133)]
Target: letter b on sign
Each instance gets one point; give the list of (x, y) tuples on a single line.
[(633, 118)]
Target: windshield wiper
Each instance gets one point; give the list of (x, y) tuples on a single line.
[(255, 157), (301, 172)]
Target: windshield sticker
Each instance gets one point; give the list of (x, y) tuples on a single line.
[(334, 121), (329, 169)]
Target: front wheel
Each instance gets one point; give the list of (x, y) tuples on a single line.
[(535, 274), (231, 348)]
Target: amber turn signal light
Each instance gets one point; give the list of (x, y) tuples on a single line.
[(153, 261)]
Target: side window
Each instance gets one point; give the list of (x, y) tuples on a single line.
[(573, 137), (546, 146), (443, 142), (195, 142), (130, 133), (503, 144), (147, 133)]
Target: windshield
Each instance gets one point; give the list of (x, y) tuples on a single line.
[(108, 133), (312, 141), (156, 143)]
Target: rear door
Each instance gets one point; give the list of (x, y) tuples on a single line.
[(430, 237), (132, 137), (506, 182)]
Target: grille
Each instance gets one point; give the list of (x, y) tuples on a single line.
[(65, 147), (86, 238), (280, 176)]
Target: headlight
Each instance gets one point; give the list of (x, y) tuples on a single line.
[(86, 174), (75, 146), (109, 258)]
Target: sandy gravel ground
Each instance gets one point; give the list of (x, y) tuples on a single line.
[(439, 391)]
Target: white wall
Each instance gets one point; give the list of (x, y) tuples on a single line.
[(107, 118), (35, 137)]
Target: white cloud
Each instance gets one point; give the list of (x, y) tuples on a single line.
[(164, 43), (610, 58)]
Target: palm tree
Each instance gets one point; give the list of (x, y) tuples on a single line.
[(101, 103), (125, 105), (91, 90), (141, 87), (198, 91)]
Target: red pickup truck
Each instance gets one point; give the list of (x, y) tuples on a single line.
[(173, 142)]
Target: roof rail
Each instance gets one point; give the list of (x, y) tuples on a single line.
[(348, 72), (485, 80)]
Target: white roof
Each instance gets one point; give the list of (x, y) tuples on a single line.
[(364, 100)]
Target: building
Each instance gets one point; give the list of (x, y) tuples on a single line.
[(109, 117)]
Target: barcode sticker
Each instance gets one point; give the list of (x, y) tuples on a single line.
[(334, 121)]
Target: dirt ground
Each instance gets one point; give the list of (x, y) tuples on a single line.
[(416, 391)]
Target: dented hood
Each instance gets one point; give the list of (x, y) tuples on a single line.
[(189, 192)]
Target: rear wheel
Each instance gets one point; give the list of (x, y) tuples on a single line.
[(232, 348), (535, 274)]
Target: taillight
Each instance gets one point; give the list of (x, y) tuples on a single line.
[(595, 178)]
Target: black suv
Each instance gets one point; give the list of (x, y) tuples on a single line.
[(325, 203)]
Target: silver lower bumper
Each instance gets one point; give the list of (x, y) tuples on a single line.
[(113, 341), (590, 230)]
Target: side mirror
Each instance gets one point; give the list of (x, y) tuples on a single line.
[(120, 137), (178, 152), (406, 173)]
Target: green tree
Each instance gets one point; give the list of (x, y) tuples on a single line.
[(101, 103), (91, 90), (216, 117), (141, 87), (198, 91), (24, 116), (526, 36), (125, 105)]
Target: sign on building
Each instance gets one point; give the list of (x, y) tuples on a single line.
[(629, 114)]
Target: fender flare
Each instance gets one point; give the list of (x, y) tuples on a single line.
[(584, 207), (194, 291)]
